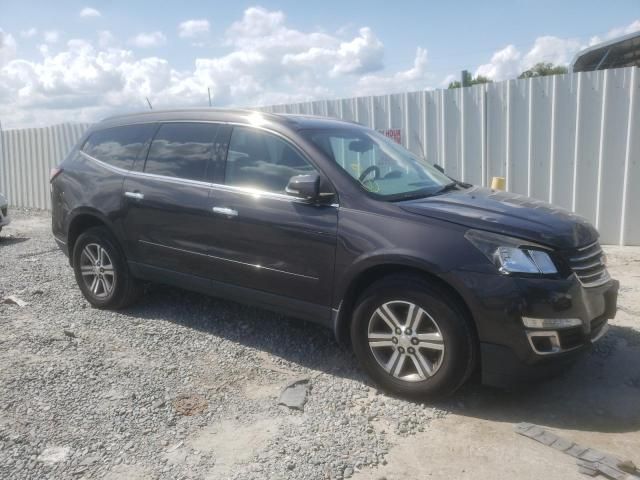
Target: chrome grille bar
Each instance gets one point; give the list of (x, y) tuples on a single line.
[(588, 266)]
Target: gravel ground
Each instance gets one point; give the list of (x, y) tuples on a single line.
[(186, 386), (94, 394)]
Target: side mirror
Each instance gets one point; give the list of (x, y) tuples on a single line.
[(438, 167), (306, 187)]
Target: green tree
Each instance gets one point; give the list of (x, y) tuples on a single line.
[(543, 69), (470, 80)]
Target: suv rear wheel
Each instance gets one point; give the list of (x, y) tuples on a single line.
[(412, 338), (102, 272)]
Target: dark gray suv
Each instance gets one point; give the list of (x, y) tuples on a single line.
[(428, 278)]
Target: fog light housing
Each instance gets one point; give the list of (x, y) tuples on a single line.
[(551, 323)]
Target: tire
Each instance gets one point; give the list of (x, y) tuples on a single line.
[(439, 355), (115, 288)]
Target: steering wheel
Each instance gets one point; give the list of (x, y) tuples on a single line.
[(367, 171), (393, 174)]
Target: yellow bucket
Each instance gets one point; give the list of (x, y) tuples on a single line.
[(498, 183)]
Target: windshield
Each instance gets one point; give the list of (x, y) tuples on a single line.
[(381, 166)]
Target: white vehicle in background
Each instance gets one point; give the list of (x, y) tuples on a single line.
[(4, 212)]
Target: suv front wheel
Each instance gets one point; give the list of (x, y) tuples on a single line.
[(102, 272), (412, 338)]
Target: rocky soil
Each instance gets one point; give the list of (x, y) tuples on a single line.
[(183, 386), (178, 386)]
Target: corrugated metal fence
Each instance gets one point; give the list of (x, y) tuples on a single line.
[(27, 156), (573, 140)]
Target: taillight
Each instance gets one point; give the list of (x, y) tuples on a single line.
[(54, 173)]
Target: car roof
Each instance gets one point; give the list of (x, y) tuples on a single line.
[(242, 116)]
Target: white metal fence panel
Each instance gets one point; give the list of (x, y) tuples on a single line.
[(630, 227), (573, 140), (27, 156)]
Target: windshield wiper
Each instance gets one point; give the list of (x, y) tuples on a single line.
[(416, 195), (449, 186)]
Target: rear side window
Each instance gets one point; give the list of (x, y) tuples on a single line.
[(261, 160), (181, 150), (119, 146)]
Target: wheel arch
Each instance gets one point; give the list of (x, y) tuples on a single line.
[(80, 222), (371, 274)]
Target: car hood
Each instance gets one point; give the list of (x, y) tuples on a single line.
[(508, 214)]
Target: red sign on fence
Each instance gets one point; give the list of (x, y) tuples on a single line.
[(393, 134)]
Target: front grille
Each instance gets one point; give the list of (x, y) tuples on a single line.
[(588, 265)]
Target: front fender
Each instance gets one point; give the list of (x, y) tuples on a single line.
[(379, 259)]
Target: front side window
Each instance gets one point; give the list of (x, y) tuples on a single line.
[(382, 167), (181, 150), (263, 161), (119, 146)]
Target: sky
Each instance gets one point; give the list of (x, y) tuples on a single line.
[(67, 60)]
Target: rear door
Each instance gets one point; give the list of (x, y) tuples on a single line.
[(97, 178), (271, 241), (167, 214)]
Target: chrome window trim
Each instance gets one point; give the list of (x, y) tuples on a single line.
[(220, 122), (197, 183), (257, 267)]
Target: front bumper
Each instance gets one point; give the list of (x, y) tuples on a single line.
[(510, 352)]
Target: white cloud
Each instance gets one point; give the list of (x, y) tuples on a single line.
[(51, 36), (146, 40), (193, 28), (504, 64), (8, 47), (30, 32), (105, 38), (87, 12), (617, 32), (415, 78), (267, 61), (558, 51), (448, 79), (363, 54), (510, 62), (264, 30)]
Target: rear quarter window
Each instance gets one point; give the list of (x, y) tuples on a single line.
[(119, 146), (182, 150)]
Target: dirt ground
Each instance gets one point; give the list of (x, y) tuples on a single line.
[(596, 404)]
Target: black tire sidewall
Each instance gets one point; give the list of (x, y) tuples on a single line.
[(454, 327), (103, 238)]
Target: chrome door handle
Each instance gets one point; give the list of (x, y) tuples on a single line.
[(227, 212), (135, 195)]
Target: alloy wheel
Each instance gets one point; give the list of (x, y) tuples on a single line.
[(97, 270), (405, 341)]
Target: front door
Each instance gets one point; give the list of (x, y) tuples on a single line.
[(272, 242)]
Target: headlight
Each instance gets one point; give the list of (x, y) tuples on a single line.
[(512, 255)]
